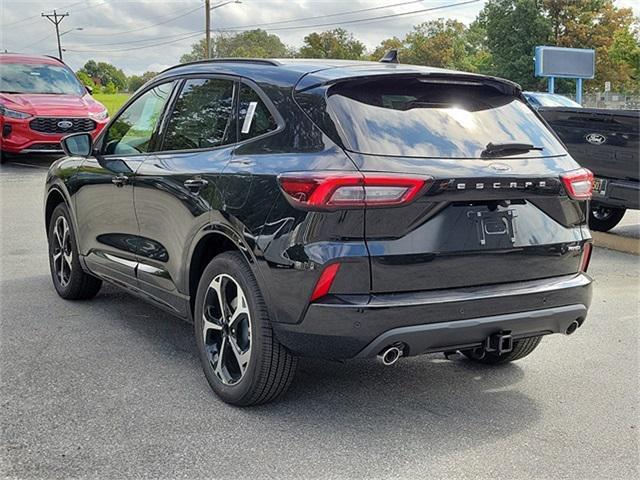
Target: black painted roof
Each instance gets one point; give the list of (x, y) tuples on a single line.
[(289, 71)]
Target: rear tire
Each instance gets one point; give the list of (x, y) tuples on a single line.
[(603, 218), (243, 361), (69, 279), (521, 348)]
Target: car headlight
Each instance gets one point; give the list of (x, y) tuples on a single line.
[(100, 115), (7, 112)]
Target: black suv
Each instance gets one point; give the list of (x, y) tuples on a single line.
[(327, 208)]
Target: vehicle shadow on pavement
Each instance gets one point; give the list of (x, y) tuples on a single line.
[(423, 405)]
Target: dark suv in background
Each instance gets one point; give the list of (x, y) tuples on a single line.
[(327, 208)]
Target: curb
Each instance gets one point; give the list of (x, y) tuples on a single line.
[(616, 242)]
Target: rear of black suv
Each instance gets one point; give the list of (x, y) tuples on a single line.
[(472, 221), (331, 209)]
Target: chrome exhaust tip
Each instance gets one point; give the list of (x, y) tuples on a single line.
[(573, 326), (389, 355)]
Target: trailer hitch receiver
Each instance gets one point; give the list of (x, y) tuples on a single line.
[(501, 342)]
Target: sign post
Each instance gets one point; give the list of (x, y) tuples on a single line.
[(560, 62)]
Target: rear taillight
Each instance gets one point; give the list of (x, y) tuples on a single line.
[(325, 281), (578, 183), (339, 190), (586, 257)]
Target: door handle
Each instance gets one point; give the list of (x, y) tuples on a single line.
[(120, 180), (195, 184)]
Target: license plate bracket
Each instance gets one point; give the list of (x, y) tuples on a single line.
[(495, 229)]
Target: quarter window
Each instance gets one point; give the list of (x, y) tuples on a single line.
[(254, 116), (202, 116), (131, 132)]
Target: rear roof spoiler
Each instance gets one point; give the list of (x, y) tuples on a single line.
[(335, 76)]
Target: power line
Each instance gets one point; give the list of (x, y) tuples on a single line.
[(364, 20), (66, 7), (139, 29), (142, 40), (137, 48), (381, 7), (361, 20)]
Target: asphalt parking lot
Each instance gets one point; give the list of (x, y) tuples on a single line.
[(112, 388)]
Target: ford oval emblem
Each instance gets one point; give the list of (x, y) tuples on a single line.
[(595, 138), (499, 167), (65, 124)]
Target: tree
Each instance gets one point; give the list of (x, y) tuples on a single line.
[(600, 25), (250, 44), (513, 29), (110, 88), (136, 81), (436, 43), (626, 48), (103, 73), (86, 79), (337, 43), (393, 43)]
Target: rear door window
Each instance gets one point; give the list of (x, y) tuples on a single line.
[(415, 118), (202, 116), (254, 118)]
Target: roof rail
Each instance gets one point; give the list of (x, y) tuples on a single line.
[(257, 61)]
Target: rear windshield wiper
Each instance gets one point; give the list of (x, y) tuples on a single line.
[(493, 149)]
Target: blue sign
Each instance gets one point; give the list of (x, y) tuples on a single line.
[(578, 63), (565, 62)]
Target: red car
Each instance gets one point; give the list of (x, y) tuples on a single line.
[(41, 101)]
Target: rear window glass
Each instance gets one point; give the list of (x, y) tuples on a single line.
[(409, 117)]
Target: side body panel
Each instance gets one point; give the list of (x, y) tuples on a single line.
[(108, 233)]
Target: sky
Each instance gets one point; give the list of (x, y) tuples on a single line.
[(141, 35)]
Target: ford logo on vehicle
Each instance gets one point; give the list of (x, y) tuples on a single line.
[(595, 138), (499, 167), (65, 124)]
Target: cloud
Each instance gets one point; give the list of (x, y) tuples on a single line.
[(116, 30)]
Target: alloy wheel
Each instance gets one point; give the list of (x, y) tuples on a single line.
[(62, 252), (601, 213), (226, 329)]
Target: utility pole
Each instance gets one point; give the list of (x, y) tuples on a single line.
[(56, 19), (207, 26)]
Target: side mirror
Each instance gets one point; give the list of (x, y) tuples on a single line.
[(77, 145), (89, 89)]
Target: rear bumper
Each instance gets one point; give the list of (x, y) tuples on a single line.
[(620, 193), (348, 326)]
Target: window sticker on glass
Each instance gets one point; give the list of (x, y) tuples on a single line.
[(251, 110)]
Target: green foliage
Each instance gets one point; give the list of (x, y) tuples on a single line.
[(437, 43), (513, 29), (110, 88), (136, 81), (250, 44), (393, 43), (86, 80), (337, 43), (626, 49), (103, 73)]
